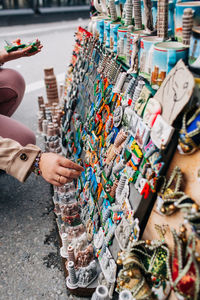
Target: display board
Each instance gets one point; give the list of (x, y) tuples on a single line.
[(130, 225)]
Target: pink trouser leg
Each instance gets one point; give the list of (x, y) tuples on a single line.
[(12, 87)]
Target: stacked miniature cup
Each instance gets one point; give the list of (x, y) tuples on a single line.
[(51, 85)]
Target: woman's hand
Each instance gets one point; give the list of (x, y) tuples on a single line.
[(57, 169), (23, 52)]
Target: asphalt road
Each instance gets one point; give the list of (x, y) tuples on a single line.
[(31, 268)]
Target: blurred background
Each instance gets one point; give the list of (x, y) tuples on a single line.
[(36, 4)]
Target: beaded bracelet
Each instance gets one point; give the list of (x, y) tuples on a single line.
[(36, 168)]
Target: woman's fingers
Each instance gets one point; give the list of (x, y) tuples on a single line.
[(66, 163), (56, 183), (58, 170), (64, 180), (68, 173)]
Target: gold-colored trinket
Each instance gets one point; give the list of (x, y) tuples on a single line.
[(163, 210), (119, 261), (148, 242), (195, 206), (198, 259), (183, 229), (172, 207), (122, 283), (130, 274)]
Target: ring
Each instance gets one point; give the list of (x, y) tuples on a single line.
[(59, 178)]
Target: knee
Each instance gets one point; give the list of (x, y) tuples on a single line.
[(19, 85), (31, 139), (28, 137), (15, 82)]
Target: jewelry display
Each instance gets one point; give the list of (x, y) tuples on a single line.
[(170, 198), (189, 133), (184, 271)]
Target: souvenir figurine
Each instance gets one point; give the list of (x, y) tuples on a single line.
[(134, 55), (110, 287), (117, 118), (80, 243), (142, 133), (148, 16), (119, 165), (75, 231), (108, 266), (122, 190), (187, 23), (120, 82), (127, 232), (162, 19), (65, 244), (98, 239), (121, 47), (129, 90), (152, 110), (128, 12), (141, 101), (161, 132), (84, 257), (82, 277), (137, 14), (101, 293), (72, 280), (125, 295), (128, 44), (137, 92)]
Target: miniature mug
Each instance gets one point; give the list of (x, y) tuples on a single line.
[(165, 57), (122, 34), (106, 30), (113, 35), (195, 5), (146, 52), (100, 30), (92, 26), (194, 51)]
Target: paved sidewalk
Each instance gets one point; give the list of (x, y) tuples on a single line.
[(31, 267)]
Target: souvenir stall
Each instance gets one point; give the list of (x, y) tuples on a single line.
[(129, 113)]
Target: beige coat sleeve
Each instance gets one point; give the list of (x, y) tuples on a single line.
[(15, 159)]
